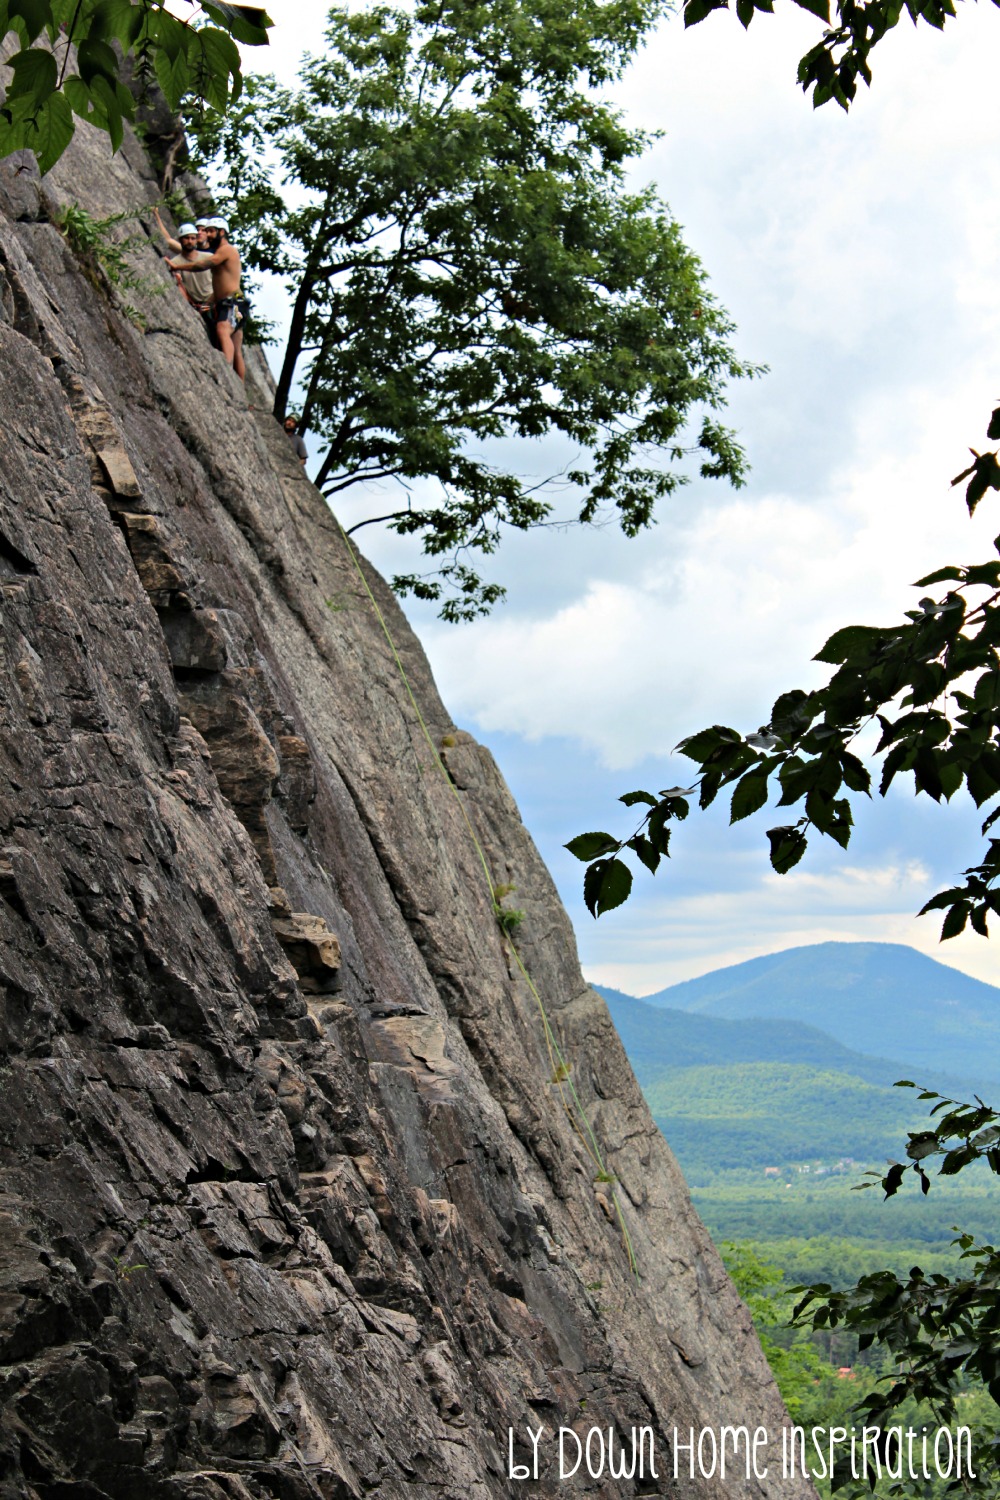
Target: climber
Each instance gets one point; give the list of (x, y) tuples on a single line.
[(291, 425), (231, 308), (195, 283), (200, 229)]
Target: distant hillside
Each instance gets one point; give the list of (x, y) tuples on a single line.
[(749, 1094), (877, 998), (656, 1037), (756, 1115)]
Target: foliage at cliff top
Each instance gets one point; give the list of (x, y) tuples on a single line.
[(79, 71), (445, 196)]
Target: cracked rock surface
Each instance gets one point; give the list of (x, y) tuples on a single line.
[(289, 1204)]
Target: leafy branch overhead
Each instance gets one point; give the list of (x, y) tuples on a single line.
[(932, 686), (854, 28), (78, 68), (471, 278)]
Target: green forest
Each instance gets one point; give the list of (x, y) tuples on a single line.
[(785, 1132)]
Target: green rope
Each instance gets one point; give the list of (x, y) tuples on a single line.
[(561, 1072)]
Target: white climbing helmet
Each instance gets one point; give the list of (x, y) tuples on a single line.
[(186, 229), (219, 223)]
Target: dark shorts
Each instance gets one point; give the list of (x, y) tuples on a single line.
[(208, 318), (232, 310)]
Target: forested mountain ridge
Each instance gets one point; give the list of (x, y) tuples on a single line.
[(774, 1120), (755, 1094), (658, 1036), (881, 999)]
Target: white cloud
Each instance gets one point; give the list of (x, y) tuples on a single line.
[(852, 885), (720, 617)]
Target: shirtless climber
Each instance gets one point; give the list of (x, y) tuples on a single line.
[(230, 308)]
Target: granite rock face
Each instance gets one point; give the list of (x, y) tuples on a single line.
[(290, 1204)]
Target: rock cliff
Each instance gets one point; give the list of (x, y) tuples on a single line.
[(290, 1205)]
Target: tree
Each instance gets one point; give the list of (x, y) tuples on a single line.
[(190, 63), (941, 1331), (797, 1368), (466, 267)]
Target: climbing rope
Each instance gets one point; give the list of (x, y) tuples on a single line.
[(561, 1073)]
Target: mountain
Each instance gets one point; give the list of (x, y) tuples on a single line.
[(883, 999), (657, 1037), (291, 1203), (749, 1094)]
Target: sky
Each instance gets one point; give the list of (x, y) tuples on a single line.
[(857, 255)]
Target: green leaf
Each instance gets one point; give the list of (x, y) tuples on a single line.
[(701, 745), (697, 10), (818, 8), (172, 74), (247, 23), (78, 94), (105, 95), (942, 899), (939, 576), (646, 851), (893, 1179), (788, 844), (855, 774), (922, 1144), (52, 132), (33, 15), (631, 798), (35, 74), (588, 846), (116, 20), (955, 921), (851, 641), (927, 774), (750, 794), (613, 886), (792, 714), (985, 473), (97, 59), (213, 58)]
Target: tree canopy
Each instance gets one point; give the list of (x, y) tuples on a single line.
[(445, 197), (80, 71)]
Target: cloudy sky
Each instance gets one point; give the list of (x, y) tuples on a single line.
[(858, 257)]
